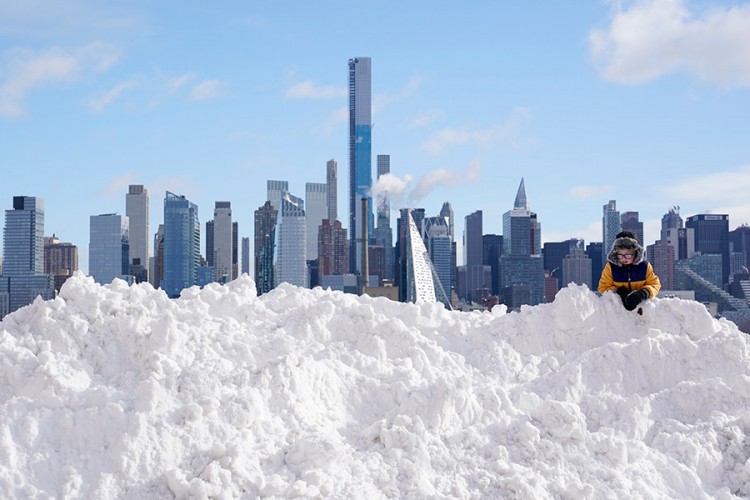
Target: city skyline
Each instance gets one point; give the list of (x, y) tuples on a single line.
[(94, 98)]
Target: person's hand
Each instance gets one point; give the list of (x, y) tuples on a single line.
[(632, 300), (622, 292)]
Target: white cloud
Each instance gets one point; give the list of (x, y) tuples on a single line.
[(586, 192), (716, 188), (407, 90), (426, 118), (177, 83), (651, 38), (501, 132), (98, 104), (27, 69), (329, 124), (308, 90), (207, 89)]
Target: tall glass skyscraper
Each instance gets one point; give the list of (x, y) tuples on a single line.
[(291, 242), (332, 192), (712, 238), (360, 155), (521, 265), (182, 236), (383, 232), (610, 228), (109, 248), (223, 242), (137, 210), (316, 209), (23, 277), (265, 241)]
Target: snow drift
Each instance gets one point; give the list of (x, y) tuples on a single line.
[(119, 392)]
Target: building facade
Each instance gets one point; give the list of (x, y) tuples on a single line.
[(137, 211), (223, 242), (316, 209), (291, 242), (264, 248), (182, 236), (109, 248), (610, 228), (23, 277), (360, 155)]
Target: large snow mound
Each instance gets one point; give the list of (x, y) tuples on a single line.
[(117, 391)]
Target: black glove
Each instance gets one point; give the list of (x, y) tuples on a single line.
[(622, 292), (634, 298)]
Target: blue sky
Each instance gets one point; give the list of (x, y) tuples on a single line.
[(643, 102)]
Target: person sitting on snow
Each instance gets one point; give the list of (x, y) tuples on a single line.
[(628, 273)]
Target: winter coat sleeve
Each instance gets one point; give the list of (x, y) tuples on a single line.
[(605, 282), (652, 284)]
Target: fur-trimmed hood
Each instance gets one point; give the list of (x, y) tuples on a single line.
[(626, 242)]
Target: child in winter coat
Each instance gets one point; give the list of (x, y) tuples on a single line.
[(628, 273)]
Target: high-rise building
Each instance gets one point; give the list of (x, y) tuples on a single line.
[(629, 222), (553, 254), (291, 242), (576, 266), (182, 236), (109, 248), (333, 249), (521, 265), (137, 210), (436, 236), (332, 190), (266, 218), (209, 250), (235, 249), (383, 231), (610, 228), (712, 238), (447, 211), (360, 155), (316, 199), (245, 255), (156, 275), (661, 257), (670, 220), (274, 190), (594, 252), (739, 239), (493, 249), (23, 277), (60, 260), (223, 242)]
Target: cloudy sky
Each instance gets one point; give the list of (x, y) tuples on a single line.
[(643, 102)]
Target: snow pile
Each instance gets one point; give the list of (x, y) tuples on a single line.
[(118, 392)]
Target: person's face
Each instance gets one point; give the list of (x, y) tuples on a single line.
[(625, 256)]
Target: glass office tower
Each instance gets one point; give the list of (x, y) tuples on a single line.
[(360, 155), (181, 244)]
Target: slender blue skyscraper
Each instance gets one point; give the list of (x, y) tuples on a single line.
[(182, 236), (360, 155)]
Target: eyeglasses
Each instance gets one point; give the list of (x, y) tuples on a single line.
[(624, 255)]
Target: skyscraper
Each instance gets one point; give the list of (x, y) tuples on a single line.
[(23, 277), (629, 222), (274, 190), (245, 255), (383, 231), (60, 260), (670, 220), (521, 264), (360, 155), (266, 217), (109, 248), (712, 238), (316, 209), (223, 242), (610, 228), (291, 242), (333, 249), (332, 192), (182, 236), (137, 210)]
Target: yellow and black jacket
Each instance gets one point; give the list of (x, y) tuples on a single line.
[(636, 276)]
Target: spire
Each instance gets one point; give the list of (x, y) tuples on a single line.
[(521, 201)]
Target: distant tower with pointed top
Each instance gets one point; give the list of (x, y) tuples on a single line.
[(522, 267)]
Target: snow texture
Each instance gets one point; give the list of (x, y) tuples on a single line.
[(116, 391)]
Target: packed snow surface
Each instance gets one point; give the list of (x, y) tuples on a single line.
[(117, 391)]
